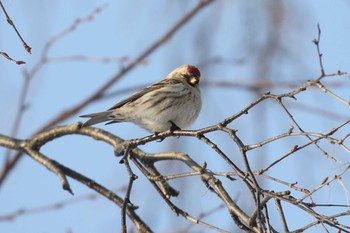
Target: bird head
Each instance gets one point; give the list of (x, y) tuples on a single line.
[(188, 72)]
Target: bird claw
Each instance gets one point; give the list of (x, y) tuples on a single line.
[(173, 128), (160, 139)]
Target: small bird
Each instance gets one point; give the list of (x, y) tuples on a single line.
[(170, 104)]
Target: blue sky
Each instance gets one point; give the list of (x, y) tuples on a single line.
[(265, 41)]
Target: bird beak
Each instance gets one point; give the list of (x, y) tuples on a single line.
[(194, 80)]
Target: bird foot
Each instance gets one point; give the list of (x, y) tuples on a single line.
[(174, 127), (160, 139)]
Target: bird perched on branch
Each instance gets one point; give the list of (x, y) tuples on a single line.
[(170, 104)]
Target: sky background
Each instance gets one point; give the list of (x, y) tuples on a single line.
[(242, 43)]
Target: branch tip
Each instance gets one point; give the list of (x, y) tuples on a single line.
[(67, 188)]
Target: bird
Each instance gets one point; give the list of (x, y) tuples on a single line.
[(172, 104)]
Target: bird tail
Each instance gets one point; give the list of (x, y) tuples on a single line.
[(96, 118)]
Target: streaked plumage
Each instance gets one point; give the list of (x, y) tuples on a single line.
[(172, 103)]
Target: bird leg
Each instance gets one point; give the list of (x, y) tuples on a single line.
[(174, 127)]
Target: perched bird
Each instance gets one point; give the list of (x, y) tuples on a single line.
[(170, 104)]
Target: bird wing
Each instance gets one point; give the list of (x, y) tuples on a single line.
[(137, 95)]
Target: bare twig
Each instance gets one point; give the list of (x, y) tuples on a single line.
[(317, 43), (327, 91), (9, 20), (203, 215), (132, 178), (282, 216), (256, 193), (49, 164), (5, 55)]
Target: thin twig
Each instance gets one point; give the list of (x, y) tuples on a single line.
[(132, 178), (51, 165), (9, 20), (327, 91), (256, 193), (5, 55), (282, 215), (173, 207), (317, 43)]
